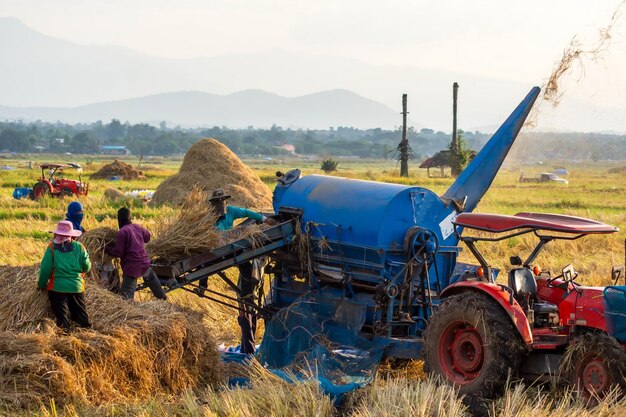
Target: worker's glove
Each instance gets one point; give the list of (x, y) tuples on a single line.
[(270, 221)]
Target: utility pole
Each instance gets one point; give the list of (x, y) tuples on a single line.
[(132, 139), (404, 144), (454, 147), (455, 96)]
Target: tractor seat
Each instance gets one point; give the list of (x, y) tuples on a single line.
[(524, 286), (522, 282)]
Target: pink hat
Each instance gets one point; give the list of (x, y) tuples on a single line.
[(65, 228)]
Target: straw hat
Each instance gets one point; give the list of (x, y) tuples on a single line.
[(64, 228)]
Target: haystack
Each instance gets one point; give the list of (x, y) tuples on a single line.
[(134, 350), (118, 169), (209, 165), (113, 194)]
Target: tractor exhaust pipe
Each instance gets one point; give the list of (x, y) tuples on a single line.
[(475, 180)]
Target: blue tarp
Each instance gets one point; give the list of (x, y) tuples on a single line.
[(21, 192), (317, 337)]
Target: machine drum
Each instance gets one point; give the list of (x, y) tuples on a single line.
[(472, 343)]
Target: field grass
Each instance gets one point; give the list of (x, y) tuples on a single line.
[(593, 192)]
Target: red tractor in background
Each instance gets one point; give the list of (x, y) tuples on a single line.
[(56, 186), (538, 326)]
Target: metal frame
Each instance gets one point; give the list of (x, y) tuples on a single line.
[(543, 240)]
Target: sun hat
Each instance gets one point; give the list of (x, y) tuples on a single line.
[(219, 194), (64, 228)]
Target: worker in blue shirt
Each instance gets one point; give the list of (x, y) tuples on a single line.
[(250, 273), (228, 214)]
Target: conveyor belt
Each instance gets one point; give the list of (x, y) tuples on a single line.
[(204, 265)]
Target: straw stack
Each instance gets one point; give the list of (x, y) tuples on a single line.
[(209, 165), (134, 350)]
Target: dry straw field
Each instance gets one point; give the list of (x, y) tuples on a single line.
[(159, 359)]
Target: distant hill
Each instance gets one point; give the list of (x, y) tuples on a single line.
[(39, 70), (238, 110)]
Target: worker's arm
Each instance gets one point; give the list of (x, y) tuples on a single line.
[(118, 249), (240, 213), (45, 269), (146, 235), (84, 258)]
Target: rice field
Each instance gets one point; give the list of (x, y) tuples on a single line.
[(597, 191)]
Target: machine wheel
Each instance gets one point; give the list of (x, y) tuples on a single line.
[(472, 343), (66, 192), (40, 190), (594, 364)]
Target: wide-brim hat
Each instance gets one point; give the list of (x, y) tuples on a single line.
[(65, 228), (219, 195)]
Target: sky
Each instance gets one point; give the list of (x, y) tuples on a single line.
[(487, 37), (515, 40)]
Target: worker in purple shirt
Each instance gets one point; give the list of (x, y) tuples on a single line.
[(250, 273), (130, 248)]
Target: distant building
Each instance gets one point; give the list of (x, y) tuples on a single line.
[(439, 160), (114, 150), (288, 147)]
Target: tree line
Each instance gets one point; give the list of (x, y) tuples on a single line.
[(376, 143)]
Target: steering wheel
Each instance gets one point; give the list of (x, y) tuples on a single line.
[(569, 275)]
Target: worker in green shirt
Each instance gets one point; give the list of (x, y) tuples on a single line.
[(250, 273), (63, 267)]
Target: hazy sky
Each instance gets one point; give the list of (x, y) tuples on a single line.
[(517, 40), (509, 39)]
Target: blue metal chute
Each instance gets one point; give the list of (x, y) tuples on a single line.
[(476, 179)]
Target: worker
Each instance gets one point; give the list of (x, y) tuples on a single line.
[(62, 273), (250, 273), (129, 246), (226, 215), (75, 215)]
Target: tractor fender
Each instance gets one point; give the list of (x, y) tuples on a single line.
[(503, 298), (48, 183)]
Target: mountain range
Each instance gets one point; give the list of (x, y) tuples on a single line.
[(238, 110), (46, 78)]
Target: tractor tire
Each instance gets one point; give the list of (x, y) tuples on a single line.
[(66, 192), (40, 190), (594, 364), (472, 343)]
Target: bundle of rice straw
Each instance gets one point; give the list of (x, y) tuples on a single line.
[(22, 307), (113, 194), (209, 164), (134, 350), (191, 232), (95, 240), (252, 232)]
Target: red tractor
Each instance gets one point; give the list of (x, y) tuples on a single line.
[(537, 326), (56, 186)]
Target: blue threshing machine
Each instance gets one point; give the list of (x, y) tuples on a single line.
[(389, 249)]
